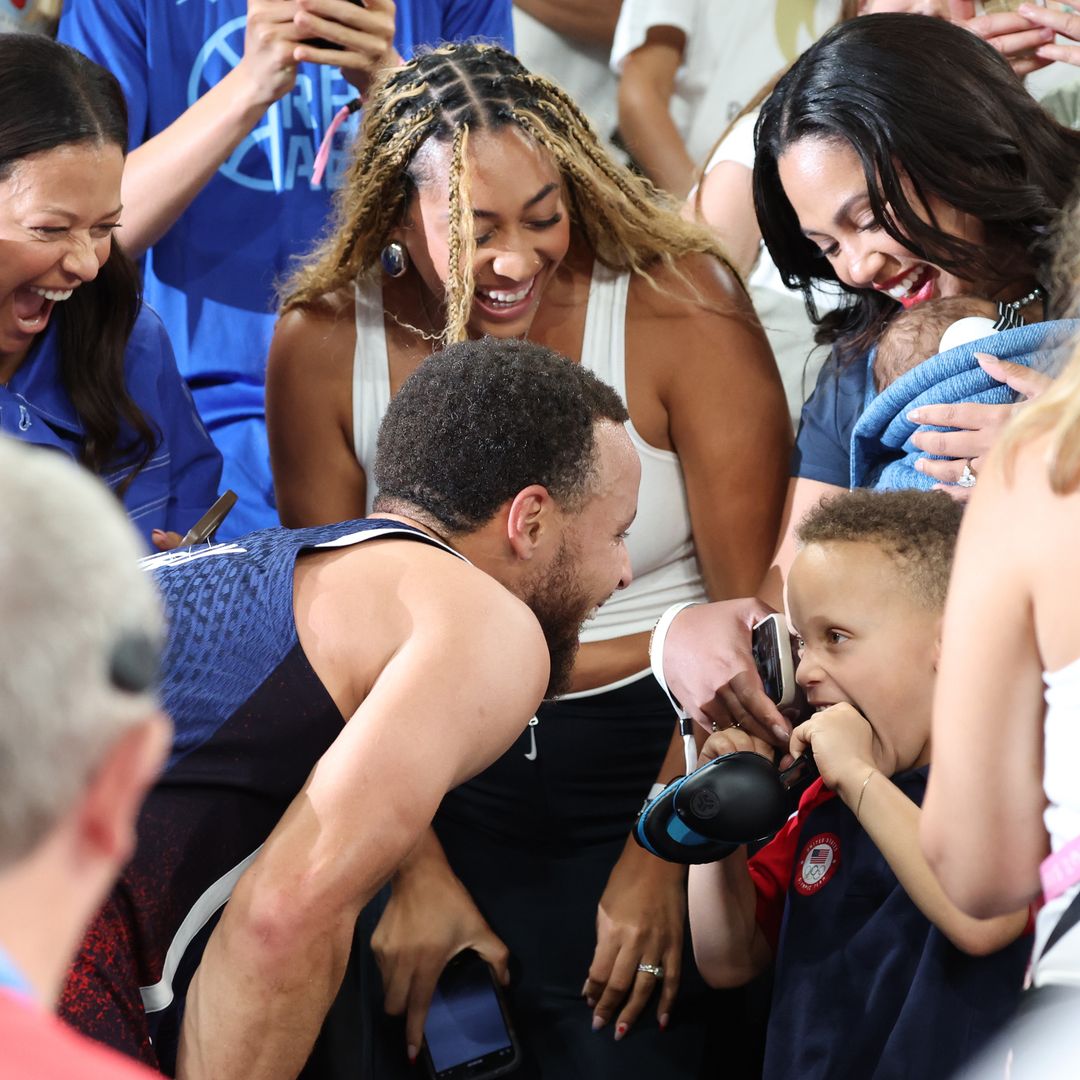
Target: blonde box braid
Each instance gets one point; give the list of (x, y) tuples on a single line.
[(446, 94)]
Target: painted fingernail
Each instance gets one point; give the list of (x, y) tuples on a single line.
[(410, 1053), (665, 1019), (621, 1030), (591, 1002), (597, 1023)]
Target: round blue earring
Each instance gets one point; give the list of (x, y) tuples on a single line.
[(394, 259)]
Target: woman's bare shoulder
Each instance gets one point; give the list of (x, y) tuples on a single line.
[(319, 331), (695, 286)]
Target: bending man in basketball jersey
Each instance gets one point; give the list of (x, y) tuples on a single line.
[(329, 685)]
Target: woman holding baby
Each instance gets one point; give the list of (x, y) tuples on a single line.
[(869, 174)]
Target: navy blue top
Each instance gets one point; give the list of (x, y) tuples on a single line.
[(180, 481), (823, 445), (865, 985), (250, 720), (212, 275)]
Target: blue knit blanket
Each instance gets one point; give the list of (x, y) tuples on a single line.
[(882, 454)]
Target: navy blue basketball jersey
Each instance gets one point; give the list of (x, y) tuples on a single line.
[(251, 720)]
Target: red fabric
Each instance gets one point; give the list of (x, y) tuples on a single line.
[(771, 868), (34, 1045)]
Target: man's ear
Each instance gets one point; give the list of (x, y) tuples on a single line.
[(110, 806), (530, 520)]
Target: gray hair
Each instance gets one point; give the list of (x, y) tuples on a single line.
[(70, 590)]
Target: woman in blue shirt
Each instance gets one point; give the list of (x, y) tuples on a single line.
[(84, 367), (902, 159)]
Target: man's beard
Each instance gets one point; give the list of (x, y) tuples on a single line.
[(560, 607)]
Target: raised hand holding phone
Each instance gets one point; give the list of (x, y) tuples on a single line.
[(354, 35)]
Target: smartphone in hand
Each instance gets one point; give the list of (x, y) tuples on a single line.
[(775, 660), (467, 1034), (322, 43)]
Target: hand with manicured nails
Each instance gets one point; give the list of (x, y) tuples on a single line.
[(1017, 36), (416, 939), (1067, 24), (364, 32), (640, 920), (977, 427)]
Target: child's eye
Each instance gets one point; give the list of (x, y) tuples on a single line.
[(835, 637), (800, 645)]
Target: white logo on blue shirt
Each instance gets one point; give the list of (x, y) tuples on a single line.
[(287, 138)]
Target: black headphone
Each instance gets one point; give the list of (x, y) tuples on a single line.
[(736, 799)]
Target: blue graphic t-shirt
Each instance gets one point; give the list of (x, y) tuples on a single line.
[(211, 277)]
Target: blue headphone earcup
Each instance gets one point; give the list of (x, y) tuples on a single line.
[(660, 831), (736, 799)]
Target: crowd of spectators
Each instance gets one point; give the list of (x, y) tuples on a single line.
[(619, 327)]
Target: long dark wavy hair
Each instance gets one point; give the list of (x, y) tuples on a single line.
[(50, 96), (923, 101)]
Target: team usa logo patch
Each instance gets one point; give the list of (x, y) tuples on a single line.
[(817, 863)]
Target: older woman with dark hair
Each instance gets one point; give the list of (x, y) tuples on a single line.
[(902, 160), (84, 367)]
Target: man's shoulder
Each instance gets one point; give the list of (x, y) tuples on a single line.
[(427, 575), (33, 1043)]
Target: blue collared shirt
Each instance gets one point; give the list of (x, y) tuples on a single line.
[(180, 480)]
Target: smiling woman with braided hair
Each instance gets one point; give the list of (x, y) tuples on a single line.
[(479, 202)]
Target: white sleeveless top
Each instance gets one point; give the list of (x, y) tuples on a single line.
[(661, 545), (1061, 752)]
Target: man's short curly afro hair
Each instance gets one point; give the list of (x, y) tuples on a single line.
[(481, 420), (916, 529)]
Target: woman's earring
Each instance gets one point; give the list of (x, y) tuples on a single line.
[(394, 259)]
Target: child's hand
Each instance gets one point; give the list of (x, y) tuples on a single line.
[(842, 743), (728, 741)]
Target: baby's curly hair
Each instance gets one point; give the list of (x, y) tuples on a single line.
[(916, 529)]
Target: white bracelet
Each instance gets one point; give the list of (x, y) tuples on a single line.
[(656, 651)]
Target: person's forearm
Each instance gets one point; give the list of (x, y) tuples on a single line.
[(256, 1004), (729, 947), (600, 663), (427, 857), (892, 821), (654, 142), (164, 174)]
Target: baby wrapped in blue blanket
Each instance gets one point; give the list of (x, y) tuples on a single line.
[(927, 357)]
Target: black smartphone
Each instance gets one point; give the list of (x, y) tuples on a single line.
[(467, 1034), (322, 43), (775, 660)]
